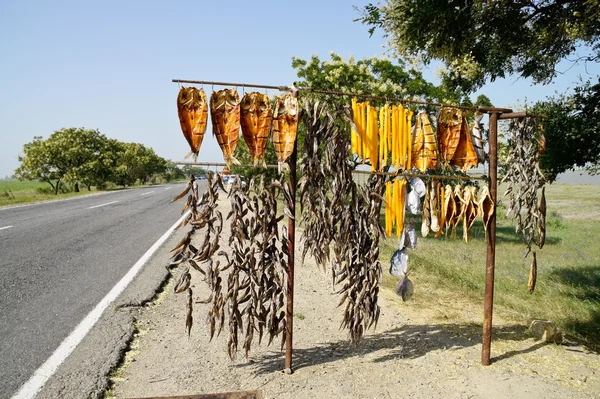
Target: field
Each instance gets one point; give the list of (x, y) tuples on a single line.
[(17, 192), (449, 272)]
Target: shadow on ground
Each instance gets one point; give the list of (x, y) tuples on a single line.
[(407, 342)]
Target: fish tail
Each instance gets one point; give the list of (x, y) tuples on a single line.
[(232, 160), (283, 167), (189, 154)]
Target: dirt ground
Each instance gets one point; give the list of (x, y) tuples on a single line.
[(429, 347)]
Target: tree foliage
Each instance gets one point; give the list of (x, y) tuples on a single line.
[(571, 129), (479, 40), (85, 156), (374, 76)]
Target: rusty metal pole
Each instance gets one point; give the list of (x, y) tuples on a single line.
[(289, 311), (488, 305)]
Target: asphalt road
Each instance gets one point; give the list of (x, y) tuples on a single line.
[(59, 259)]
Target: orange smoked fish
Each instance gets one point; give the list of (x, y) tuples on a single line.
[(255, 118), (192, 109), (285, 124), (424, 151), (465, 156), (448, 128), (225, 115)]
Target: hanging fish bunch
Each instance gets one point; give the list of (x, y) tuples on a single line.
[(255, 119), (192, 108), (364, 139), (524, 178), (486, 206), (400, 141), (395, 196), (424, 149), (203, 214), (285, 126), (457, 145), (356, 267), (399, 263), (321, 212), (375, 135), (432, 209), (341, 228), (469, 210), (255, 295), (225, 115)]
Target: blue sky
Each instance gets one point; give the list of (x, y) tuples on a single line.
[(108, 65)]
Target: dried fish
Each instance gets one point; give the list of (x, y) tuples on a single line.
[(399, 263), (542, 220), (285, 125), (434, 208), (532, 275), (413, 203), (424, 150), (476, 138), (255, 119), (192, 109), (486, 205), (451, 208), (426, 215), (524, 178), (411, 237), (418, 185), (341, 227), (448, 132), (405, 289), (465, 156), (225, 115)]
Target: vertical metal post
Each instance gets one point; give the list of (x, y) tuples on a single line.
[(289, 332), (488, 305)]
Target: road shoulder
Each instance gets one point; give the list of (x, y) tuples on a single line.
[(85, 373)]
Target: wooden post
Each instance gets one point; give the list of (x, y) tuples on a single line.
[(289, 316), (488, 304)]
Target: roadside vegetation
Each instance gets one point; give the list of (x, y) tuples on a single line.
[(448, 272), (76, 161), (71, 158)]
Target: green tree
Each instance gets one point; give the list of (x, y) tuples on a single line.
[(480, 40), (374, 76), (37, 164), (173, 172), (72, 155), (135, 162), (571, 130)]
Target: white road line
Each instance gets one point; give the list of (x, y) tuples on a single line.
[(46, 370), (98, 206), (148, 192), (168, 188), (5, 227), (3, 208)]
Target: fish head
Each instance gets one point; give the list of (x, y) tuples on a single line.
[(225, 97), (192, 97), (232, 98), (263, 103), (248, 102), (286, 104)]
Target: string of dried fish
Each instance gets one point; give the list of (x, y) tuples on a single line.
[(524, 178), (339, 216)]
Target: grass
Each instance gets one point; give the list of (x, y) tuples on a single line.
[(568, 282), (19, 192)]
